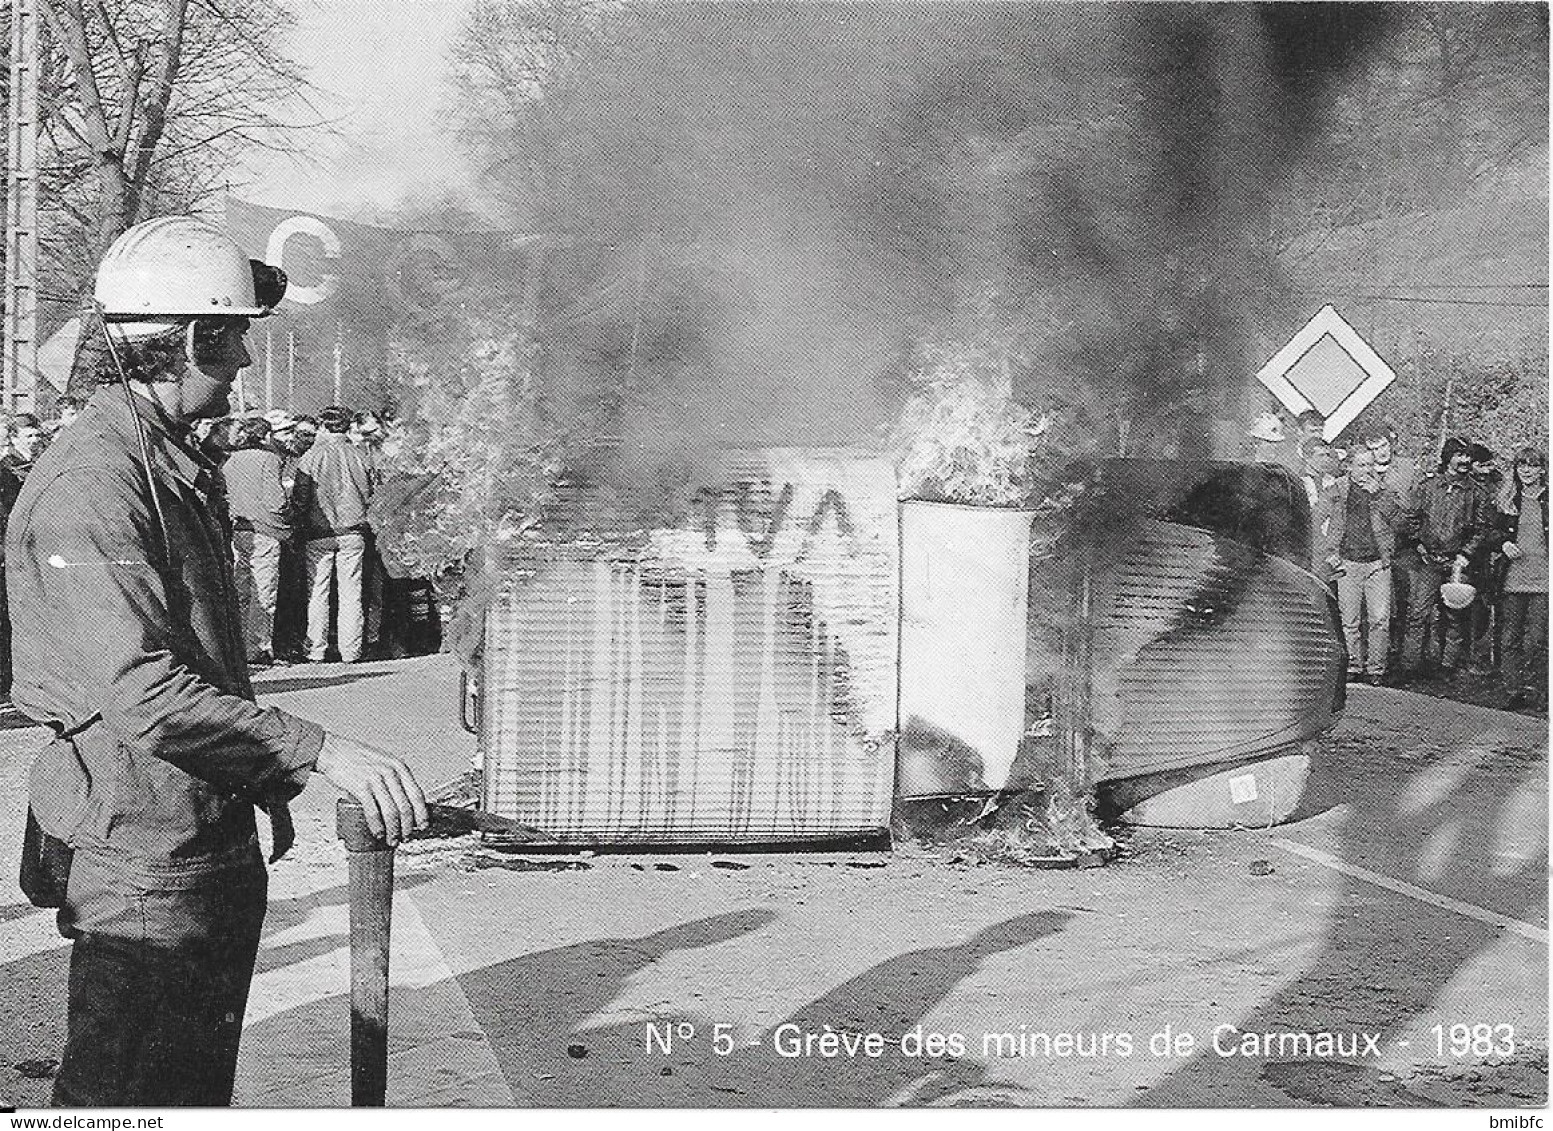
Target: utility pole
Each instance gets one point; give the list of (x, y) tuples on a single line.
[(20, 375)]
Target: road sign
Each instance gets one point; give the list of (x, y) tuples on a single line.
[(1327, 366)]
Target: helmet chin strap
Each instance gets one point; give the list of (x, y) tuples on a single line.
[(140, 435)]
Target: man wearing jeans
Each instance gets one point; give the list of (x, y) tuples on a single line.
[(333, 490), (261, 522), (1362, 541)]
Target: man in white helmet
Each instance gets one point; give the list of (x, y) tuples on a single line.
[(129, 647)]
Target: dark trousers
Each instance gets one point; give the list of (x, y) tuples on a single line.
[(1428, 616), (1402, 567), (1524, 623), (158, 986)]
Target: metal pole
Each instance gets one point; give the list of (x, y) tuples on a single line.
[(339, 351), (269, 366), (371, 912), (21, 219)]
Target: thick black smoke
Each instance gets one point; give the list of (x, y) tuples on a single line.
[(765, 205)]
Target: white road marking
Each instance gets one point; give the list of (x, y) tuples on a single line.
[(1471, 911), (443, 1046)]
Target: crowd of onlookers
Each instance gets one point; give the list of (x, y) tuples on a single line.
[(299, 488), (311, 583), (1437, 566)]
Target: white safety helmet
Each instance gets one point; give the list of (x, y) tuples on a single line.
[(177, 267), (1456, 593)]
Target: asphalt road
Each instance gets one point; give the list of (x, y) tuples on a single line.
[(1407, 900)]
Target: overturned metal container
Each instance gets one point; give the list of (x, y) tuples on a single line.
[(782, 668)]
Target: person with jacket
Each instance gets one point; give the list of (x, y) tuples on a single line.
[(333, 491), (1524, 600), (1446, 524), (118, 558), (27, 443), (1320, 473), (366, 436), (1361, 541), (1399, 475), (261, 525), (1488, 567)]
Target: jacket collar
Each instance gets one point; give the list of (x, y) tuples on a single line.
[(165, 436)]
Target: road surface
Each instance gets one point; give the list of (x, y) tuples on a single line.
[(1388, 947)]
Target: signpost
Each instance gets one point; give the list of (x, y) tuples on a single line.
[(1328, 367)]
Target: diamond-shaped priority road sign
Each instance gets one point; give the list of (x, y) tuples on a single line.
[(1327, 366)]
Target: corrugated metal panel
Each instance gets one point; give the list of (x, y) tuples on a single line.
[(1205, 650), (730, 683)]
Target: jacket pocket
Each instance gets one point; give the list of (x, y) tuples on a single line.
[(60, 788)]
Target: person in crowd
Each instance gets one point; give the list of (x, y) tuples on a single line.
[(1524, 604), (366, 431), (1399, 474), (220, 437), (305, 434), (333, 491), (366, 436), (261, 525), (296, 436), (1446, 523), (1361, 542), (1309, 425), (118, 562), (26, 444), (66, 409), (1486, 565), (1319, 471), (1269, 442), (1485, 468), (1320, 468)]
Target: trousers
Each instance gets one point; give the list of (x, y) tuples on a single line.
[(158, 986), (256, 565), (1428, 616), (336, 560), (1364, 594), (1525, 625)]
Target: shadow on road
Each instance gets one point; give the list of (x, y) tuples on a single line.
[(528, 1008), (283, 914), (12, 719), (1462, 820), (13, 911), (534, 1012)]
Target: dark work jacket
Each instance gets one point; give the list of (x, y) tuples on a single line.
[(1449, 516), (137, 660)]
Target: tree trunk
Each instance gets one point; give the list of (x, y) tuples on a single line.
[(120, 177)]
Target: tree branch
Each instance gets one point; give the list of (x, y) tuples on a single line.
[(156, 105), (68, 23)]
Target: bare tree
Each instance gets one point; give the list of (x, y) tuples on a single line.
[(145, 105)]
